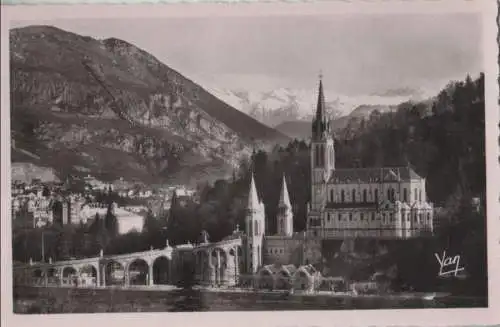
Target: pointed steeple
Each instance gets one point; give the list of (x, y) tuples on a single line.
[(284, 196), (253, 198), (320, 108), (320, 124)]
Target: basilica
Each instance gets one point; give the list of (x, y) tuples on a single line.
[(384, 203)]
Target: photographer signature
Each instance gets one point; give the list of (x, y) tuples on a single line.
[(448, 265)]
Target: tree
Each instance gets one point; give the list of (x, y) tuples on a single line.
[(110, 222)]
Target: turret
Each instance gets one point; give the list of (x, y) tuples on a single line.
[(255, 229), (285, 214)]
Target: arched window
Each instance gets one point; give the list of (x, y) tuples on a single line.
[(256, 228), (340, 216), (258, 254), (353, 195), (376, 195), (416, 194), (405, 195), (342, 196), (350, 217), (373, 216), (391, 217), (316, 150), (389, 194), (322, 155), (331, 195), (365, 196), (419, 195)]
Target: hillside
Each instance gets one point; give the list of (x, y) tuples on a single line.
[(115, 110)]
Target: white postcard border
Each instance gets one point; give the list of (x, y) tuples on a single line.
[(420, 317)]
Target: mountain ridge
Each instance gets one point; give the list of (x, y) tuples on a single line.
[(61, 79)]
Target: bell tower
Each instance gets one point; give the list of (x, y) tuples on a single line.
[(322, 152)]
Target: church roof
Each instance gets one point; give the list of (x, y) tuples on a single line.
[(373, 175), (352, 205), (284, 196)]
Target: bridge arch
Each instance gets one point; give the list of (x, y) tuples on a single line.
[(161, 270), (114, 273), (88, 275), (138, 272), (69, 275), (37, 276), (53, 276)]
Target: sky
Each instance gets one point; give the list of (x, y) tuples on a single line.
[(356, 54)]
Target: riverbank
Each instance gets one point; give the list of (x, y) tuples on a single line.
[(32, 300)]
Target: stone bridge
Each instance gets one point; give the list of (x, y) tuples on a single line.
[(211, 263)]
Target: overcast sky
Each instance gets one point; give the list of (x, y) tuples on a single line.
[(358, 55)]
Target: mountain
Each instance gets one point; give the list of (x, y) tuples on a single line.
[(286, 105), (111, 109), (301, 129)]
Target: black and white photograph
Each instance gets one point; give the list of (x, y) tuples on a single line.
[(329, 161)]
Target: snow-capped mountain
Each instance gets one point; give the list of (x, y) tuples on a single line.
[(282, 105)]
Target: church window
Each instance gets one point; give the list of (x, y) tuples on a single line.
[(416, 198), (376, 196), (389, 195), (405, 195), (256, 227), (322, 155), (353, 196), (342, 196), (364, 196), (316, 155), (331, 195)]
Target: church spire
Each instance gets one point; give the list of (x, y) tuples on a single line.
[(284, 196), (320, 125), (320, 108), (253, 198)]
